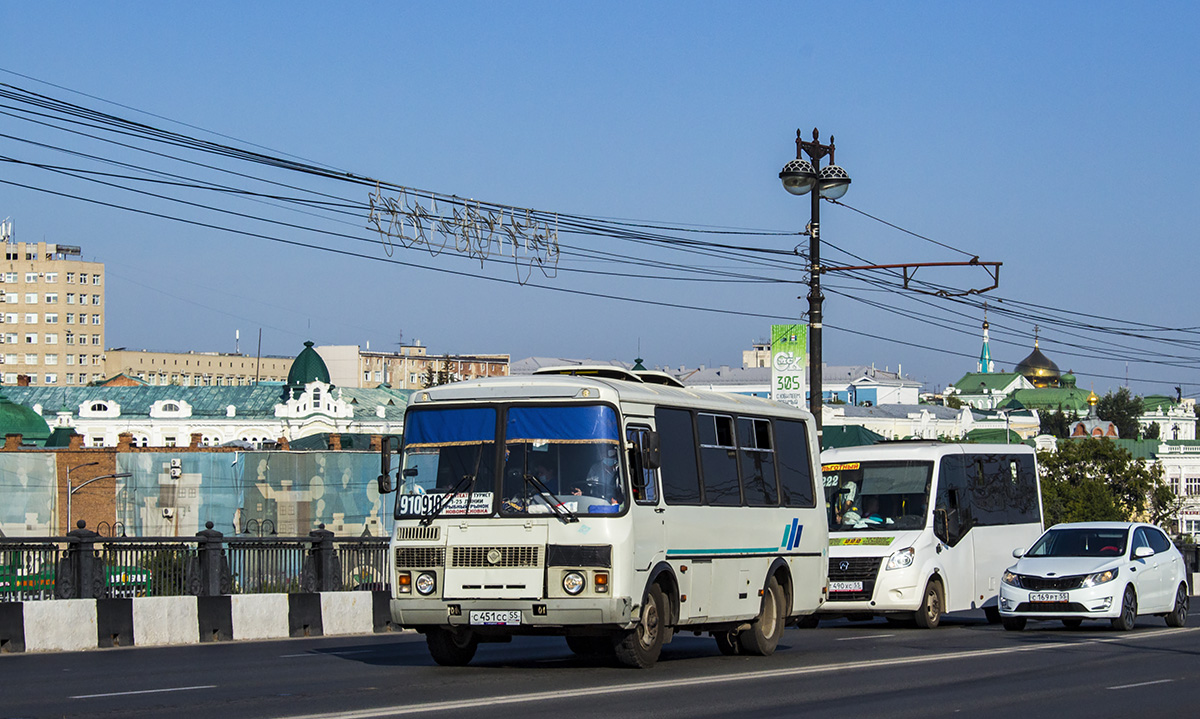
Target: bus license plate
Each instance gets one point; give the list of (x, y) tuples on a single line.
[(507, 618), (845, 586), (1048, 597)]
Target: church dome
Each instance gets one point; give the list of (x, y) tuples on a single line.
[(19, 419), (1039, 369), (307, 367)]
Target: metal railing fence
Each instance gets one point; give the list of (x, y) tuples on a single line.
[(85, 564)]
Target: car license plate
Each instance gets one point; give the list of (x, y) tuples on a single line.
[(845, 586), (507, 618), (1048, 597)]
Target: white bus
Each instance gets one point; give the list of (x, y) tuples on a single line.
[(918, 529), (607, 507)]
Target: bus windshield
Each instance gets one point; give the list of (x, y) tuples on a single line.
[(560, 460), (877, 496)]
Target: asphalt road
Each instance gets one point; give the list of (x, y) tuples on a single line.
[(845, 669)]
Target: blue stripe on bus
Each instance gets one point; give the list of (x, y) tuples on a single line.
[(796, 529)]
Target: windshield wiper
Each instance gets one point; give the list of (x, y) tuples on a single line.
[(557, 506), (434, 513)]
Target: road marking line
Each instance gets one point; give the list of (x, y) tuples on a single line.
[(1142, 684), (558, 695), (144, 691), (873, 636)]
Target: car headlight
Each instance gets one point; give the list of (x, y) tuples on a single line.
[(1011, 579), (426, 583), (573, 583), (1104, 577), (901, 559)]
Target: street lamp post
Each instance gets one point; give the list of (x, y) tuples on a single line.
[(800, 177), (71, 490)]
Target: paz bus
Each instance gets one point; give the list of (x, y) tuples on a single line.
[(609, 507), (917, 529)]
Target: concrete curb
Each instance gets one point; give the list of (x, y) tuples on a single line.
[(80, 624)]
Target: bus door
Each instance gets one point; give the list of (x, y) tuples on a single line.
[(953, 519), (647, 514)]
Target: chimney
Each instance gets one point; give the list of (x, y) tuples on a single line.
[(11, 442)]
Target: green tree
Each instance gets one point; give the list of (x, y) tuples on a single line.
[(1123, 410), (1152, 431), (1056, 423), (1093, 479), (953, 402)]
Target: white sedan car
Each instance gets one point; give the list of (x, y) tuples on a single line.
[(1096, 570)]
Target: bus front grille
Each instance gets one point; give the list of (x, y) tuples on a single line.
[(410, 534), (420, 557), (853, 569), (484, 557)]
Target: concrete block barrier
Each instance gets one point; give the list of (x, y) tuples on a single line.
[(78, 624)]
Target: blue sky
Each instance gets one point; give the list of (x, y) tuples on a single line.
[(1057, 138)]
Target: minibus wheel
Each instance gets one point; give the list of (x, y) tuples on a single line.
[(451, 647), (929, 614), (763, 635), (639, 647)]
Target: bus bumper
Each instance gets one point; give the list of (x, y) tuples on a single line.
[(534, 613)]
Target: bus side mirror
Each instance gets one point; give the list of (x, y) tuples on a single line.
[(941, 525), (385, 463), (651, 452)]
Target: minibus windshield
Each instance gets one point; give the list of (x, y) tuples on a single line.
[(877, 496)]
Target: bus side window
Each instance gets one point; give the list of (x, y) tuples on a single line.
[(641, 478), (954, 497)]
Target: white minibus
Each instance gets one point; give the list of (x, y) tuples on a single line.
[(921, 528), (605, 506)]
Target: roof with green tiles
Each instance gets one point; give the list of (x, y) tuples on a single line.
[(16, 418), (1070, 399), (249, 401), (991, 381)]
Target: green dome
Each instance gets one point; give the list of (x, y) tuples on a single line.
[(19, 419), (307, 367)]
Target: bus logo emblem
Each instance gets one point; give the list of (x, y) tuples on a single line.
[(791, 534)]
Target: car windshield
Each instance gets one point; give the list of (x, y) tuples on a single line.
[(876, 496), (1080, 542)]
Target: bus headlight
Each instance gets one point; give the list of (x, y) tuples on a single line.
[(426, 583), (573, 583), (901, 559)]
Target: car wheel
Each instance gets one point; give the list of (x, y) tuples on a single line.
[(639, 647), (1178, 615), (765, 631), (451, 647), (1013, 624), (992, 615), (1072, 623), (929, 614), (1128, 617)]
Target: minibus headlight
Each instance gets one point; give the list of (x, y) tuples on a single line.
[(404, 582), (573, 583), (426, 583), (901, 559)]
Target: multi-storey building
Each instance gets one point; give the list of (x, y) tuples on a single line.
[(53, 315), (196, 369), (352, 366)]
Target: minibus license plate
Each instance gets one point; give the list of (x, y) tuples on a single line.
[(845, 586), (497, 618), (1048, 597)]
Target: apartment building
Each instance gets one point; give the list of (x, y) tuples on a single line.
[(196, 369), (352, 366), (52, 320)]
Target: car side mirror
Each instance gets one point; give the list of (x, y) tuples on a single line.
[(1143, 552), (1018, 552)]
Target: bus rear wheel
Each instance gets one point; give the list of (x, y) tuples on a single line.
[(728, 643), (763, 635), (451, 647), (639, 647)]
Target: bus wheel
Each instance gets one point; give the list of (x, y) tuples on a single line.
[(728, 643), (590, 646), (764, 632), (451, 647), (929, 614), (639, 647)]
